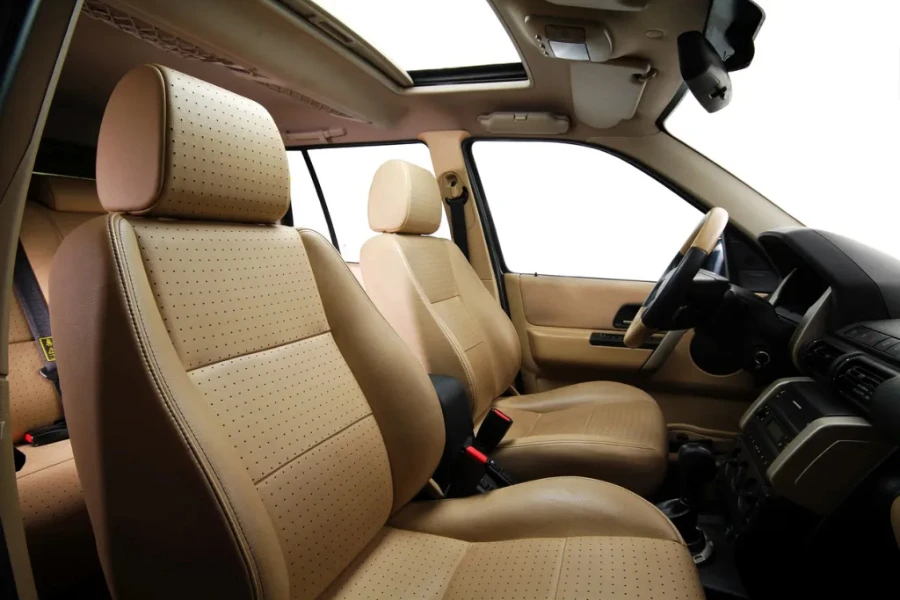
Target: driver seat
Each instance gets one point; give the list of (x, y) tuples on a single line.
[(430, 294)]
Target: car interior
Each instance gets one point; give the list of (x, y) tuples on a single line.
[(403, 299)]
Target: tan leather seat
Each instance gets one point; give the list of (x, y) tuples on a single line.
[(431, 295), (59, 537), (246, 423)]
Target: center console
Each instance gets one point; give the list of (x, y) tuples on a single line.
[(801, 451), (799, 443)]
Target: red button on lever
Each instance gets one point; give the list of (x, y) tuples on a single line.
[(477, 454), (29, 438), (502, 416)]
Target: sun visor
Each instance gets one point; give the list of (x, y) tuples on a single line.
[(606, 93)]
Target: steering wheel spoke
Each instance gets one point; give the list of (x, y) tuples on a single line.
[(671, 298)]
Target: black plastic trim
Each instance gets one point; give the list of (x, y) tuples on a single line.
[(463, 75), (617, 340), (322, 203)]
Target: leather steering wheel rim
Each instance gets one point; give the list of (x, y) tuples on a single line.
[(704, 239)]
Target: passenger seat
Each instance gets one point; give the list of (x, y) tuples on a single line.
[(60, 541)]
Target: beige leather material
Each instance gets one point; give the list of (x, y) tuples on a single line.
[(429, 293), (396, 387), (60, 540), (548, 508), (228, 546), (402, 563), (65, 194), (540, 305), (404, 198), (174, 146), (210, 275), (565, 347), (895, 518), (43, 230), (601, 429), (282, 422), (570, 302)]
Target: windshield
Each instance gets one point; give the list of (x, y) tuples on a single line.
[(814, 122)]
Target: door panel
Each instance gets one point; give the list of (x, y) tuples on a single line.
[(555, 317)]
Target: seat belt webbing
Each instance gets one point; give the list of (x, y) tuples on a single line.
[(458, 221), (34, 306)]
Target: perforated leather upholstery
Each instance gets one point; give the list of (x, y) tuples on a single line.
[(431, 295), (284, 429), (58, 530)]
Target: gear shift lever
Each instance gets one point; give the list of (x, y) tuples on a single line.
[(697, 467)]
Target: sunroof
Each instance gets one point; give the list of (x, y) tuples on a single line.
[(426, 36)]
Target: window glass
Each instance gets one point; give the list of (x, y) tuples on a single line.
[(425, 34), (305, 205), (566, 209), (345, 174), (814, 127)]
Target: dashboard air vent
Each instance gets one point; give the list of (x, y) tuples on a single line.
[(819, 356), (857, 379)]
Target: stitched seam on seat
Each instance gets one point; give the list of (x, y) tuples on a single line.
[(518, 444), (314, 446), (56, 464), (126, 286), (470, 378), (260, 351), (455, 568), (669, 523), (562, 558)]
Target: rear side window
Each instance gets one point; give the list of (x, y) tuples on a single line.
[(573, 210), (344, 174)]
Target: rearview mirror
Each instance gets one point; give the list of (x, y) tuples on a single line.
[(703, 71)]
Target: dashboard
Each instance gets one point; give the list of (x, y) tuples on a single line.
[(844, 300)]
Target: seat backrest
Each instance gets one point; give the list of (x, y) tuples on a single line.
[(56, 205), (243, 419), (429, 292)]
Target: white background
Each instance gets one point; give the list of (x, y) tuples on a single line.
[(814, 123)]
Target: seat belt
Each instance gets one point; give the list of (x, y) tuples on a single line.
[(31, 298), (34, 306), (458, 220)]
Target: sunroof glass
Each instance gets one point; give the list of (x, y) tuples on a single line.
[(419, 35)]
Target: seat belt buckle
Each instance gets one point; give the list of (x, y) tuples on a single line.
[(469, 472), (492, 430), (56, 432)]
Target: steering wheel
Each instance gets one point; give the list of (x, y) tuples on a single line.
[(667, 299)]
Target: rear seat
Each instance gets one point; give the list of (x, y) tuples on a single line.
[(60, 540)]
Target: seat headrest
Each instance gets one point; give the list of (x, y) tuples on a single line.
[(65, 194), (173, 146), (404, 198)]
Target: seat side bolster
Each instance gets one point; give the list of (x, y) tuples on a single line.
[(394, 383), (392, 286), (155, 429), (498, 330), (579, 394), (553, 507)]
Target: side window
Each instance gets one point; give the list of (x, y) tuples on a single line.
[(566, 209), (345, 174)]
